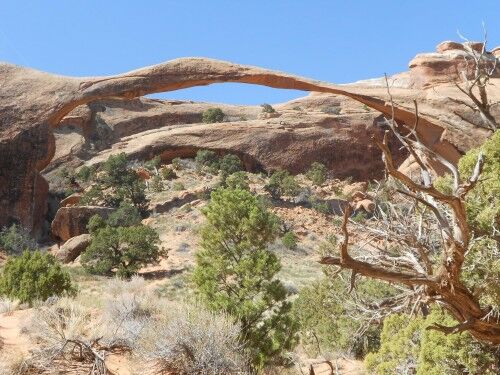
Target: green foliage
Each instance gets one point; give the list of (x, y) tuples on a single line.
[(238, 180), (156, 184), (85, 174), (329, 322), (15, 239), (228, 165), (359, 217), (289, 240), (153, 164), (282, 183), (123, 250), (115, 183), (213, 115), (168, 173), (235, 273), (208, 159), (34, 276), (125, 216), (483, 202), (317, 173), (177, 164), (178, 186), (408, 347), (267, 108)]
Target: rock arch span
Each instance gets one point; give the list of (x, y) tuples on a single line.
[(33, 102)]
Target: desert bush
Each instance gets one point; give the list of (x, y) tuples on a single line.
[(317, 173), (15, 239), (8, 305), (178, 186), (196, 341), (267, 108), (168, 173), (207, 159), (230, 164), (121, 250), (235, 273), (238, 180), (125, 216), (213, 115), (177, 164), (408, 347), (153, 164), (156, 184), (85, 174), (331, 110), (282, 183), (116, 182), (289, 240), (34, 276)]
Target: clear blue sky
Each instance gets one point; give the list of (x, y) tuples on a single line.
[(336, 41)]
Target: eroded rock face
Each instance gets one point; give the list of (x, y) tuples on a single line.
[(33, 103), (72, 221)]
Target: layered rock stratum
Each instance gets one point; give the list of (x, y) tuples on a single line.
[(47, 121)]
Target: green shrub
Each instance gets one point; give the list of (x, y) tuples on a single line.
[(238, 180), (329, 320), (85, 174), (177, 164), (408, 347), (208, 159), (34, 276), (120, 250), (229, 164), (168, 173), (153, 164), (156, 184), (267, 108), (116, 183), (235, 273), (125, 216), (282, 183), (178, 186), (15, 239), (483, 202), (213, 115), (317, 173), (289, 240)]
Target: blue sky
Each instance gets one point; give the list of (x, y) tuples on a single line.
[(336, 41)]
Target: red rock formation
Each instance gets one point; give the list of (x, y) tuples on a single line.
[(33, 103)]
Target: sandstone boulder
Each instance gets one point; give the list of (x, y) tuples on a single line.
[(72, 221), (355, 189), (72, 248), (71, 200)]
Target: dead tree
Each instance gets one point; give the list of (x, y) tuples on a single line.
[(430, 269), (472, 80)]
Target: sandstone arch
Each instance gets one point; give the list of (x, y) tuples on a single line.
[(33, 102)]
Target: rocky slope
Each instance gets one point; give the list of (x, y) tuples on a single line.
[(33, 103)]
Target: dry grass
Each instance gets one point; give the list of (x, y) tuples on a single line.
[(8, 306)]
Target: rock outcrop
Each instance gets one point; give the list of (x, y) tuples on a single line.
[(72, 248), (72, 221), (33, 103)]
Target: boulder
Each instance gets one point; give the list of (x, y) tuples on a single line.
[(449, 46), (72, 248), (354, 190), (72, 221), (365, 204), (72, 200)]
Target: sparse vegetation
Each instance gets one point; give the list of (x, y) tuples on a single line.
[(153, 164), (34, 276), (282, 183), (317, 173), (289, 240), (213, 115), (177, 164), (238, 180), (178, 186), (15, 239), (168, 173), (331, 110), (267, 108), (156, 184)]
